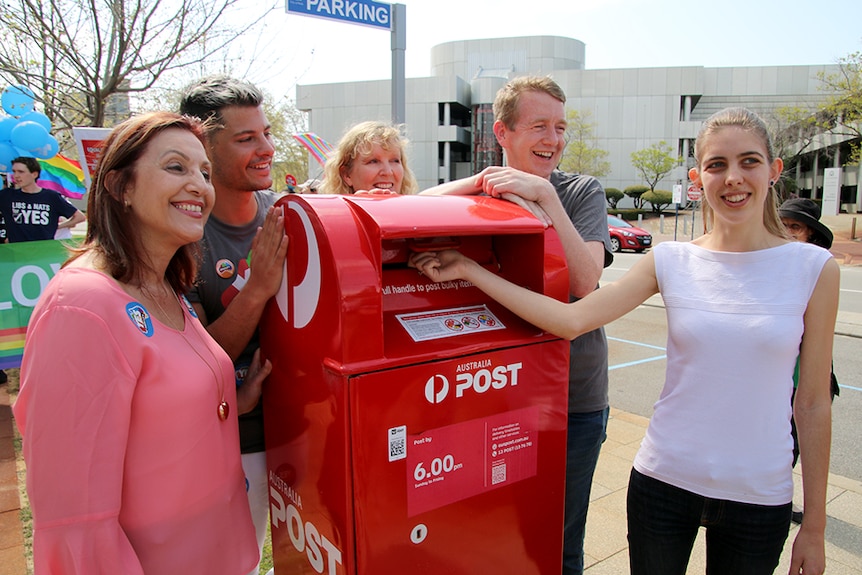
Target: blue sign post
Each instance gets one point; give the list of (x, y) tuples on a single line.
[(391, 17), (362, 12)]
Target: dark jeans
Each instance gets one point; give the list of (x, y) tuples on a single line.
[(741, 539), (586, 433)]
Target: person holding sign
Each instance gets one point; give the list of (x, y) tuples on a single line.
[(127, 406), (718, 450)]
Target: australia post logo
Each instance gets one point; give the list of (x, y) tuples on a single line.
[(300, 301), (472, 377)]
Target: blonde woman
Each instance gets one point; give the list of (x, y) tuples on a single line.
[(370, 157)]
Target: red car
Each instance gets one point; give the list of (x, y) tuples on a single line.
[(625, 236)]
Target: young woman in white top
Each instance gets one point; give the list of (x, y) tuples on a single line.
[(742, 302)]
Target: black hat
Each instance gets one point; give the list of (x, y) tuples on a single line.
[(807, 212)]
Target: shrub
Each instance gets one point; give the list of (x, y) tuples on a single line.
[(613, 196), (658, 199), (636, 193)]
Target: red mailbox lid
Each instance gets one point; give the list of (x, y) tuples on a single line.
[(395, 216)]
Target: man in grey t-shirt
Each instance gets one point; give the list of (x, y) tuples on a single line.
[(530, 125)]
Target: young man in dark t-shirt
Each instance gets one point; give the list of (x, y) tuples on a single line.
[(30, 213), (231, 293)]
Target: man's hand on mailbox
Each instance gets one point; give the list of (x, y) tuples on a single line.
[(268, 251), (527, 190), (441, 266)]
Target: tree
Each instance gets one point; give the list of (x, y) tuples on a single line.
[(843, 107), (581, 155), (83, 58), (655, 162), (613, 196)]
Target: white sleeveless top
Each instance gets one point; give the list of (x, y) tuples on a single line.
[(721, 427)]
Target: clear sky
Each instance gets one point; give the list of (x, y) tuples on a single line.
[(617, 34)]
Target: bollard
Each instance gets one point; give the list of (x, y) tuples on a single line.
[(853, 228), (661, 224)]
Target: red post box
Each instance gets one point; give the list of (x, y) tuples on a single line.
[(413, 427)]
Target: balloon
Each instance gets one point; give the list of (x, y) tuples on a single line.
[(49, 150), (17, 100), (7, 154), (6, 125), (29, 135), (37, 117)]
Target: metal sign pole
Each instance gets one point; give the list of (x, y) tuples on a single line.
[(399, 45)]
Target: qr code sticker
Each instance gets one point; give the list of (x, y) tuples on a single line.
[(397, 443), (498, 474)]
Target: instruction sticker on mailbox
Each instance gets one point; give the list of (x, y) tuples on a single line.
[(454, 462), (437, 324)]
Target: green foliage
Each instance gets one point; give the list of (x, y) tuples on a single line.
[(658, 199), (613, 196), (581, 155), (636, 193), (655, 162), (843, 107), (290, 157), (793, 130), (855, 157)]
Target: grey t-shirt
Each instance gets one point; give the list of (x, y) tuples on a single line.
[(584, 201), (223, 272)]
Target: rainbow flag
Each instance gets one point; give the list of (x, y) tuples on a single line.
[(11, 346), (317, 146), (62, 175)]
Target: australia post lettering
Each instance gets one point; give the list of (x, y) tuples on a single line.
[(322, 554), (483, 379)]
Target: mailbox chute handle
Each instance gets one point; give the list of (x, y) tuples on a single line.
[(433, 244)]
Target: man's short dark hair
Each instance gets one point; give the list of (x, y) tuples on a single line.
[(33, 165), (206, 98)]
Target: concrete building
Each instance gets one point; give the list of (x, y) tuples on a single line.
[(449, 117)]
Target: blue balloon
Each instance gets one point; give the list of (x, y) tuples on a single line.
[(17, 100), (37, 117), (6, 125), (49, 150), (7, 154), (29, 136)]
